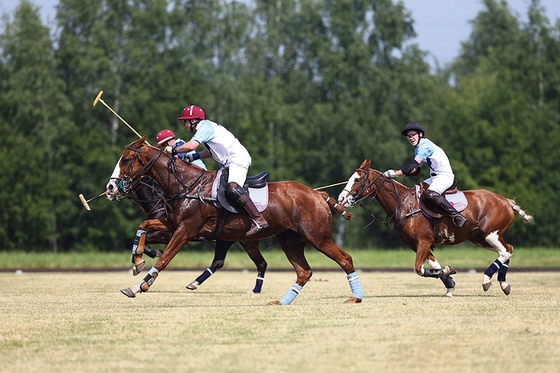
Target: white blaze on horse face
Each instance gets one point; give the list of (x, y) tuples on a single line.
[(112, 188), (343, 196)]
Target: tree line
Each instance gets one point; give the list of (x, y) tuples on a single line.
[(311, 88)]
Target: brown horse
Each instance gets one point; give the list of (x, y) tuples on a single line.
[(296, 214), (151, 200), (488, 214)]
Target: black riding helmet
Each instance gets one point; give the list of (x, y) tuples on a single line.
[(413, 126)]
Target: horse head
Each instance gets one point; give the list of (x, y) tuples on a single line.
[(131, 166), (360, 185)]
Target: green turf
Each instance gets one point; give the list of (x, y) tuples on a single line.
[(459, 257)]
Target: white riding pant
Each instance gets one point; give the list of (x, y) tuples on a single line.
[(440, 183), (237, 174)]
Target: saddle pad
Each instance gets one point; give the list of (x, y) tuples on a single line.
[(259, 196), (457, 200)]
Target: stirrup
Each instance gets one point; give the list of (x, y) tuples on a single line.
[(255, 228), (459, 220)]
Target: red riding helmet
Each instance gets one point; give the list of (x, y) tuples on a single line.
[(164, 136), (192, 112)]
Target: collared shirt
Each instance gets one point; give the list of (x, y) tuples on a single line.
[(222, 144), (434, 157)]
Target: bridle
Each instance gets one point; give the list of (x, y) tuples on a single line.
[(363, 192), (370, 188), (127, 182)]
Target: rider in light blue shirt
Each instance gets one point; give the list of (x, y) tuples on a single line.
[(441, 174), (167, 138)]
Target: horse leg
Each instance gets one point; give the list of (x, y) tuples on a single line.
[(179, 238), (344, 260), (137, 250), (139, 246), (220, 252), (446, 279), (500, 265), (252, 249), (292, 245), (424, 255), (506, 288)]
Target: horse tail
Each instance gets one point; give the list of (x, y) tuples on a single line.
[(338, 208), (526, 217)]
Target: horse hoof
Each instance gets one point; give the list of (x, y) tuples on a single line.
[(506, 288), (275, 303), (192, 285), (449, 271), (138, 268), (353, 300), (129, 292), (486, 286)]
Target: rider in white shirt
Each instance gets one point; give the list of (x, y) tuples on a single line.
[(226, 150), (441, 174)]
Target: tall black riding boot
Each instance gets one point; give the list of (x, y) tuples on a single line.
[(458, 219)]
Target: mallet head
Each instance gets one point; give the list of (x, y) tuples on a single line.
[(97, 98), (84, 202)]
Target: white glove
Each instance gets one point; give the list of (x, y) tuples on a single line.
[(390, 173)]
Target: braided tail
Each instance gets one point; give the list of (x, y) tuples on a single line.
[(338, 208), (526, 217)]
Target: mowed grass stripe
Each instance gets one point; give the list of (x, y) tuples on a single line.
[(73, 322)]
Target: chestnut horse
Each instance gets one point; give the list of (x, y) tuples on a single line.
[(488, 214), (297, 215), (151, 200)]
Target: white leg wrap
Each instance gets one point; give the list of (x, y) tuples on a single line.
[(433, 264), (493, 240)]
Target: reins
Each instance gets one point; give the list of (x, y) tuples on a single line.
[(367, 184)]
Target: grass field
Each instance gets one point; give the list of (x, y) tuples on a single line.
[(79, 322), (466, 257)]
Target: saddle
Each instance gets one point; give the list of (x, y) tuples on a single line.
[(256, 186), (455, 197)]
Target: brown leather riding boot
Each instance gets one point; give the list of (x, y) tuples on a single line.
[(436, 198), (258, 221)]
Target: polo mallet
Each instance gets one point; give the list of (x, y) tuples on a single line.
[(85, 202), (98, 99)]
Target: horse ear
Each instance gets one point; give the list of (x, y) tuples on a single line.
[(365, 164), (140, 141)]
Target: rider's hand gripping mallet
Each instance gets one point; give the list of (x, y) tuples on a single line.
[(98, 99), (85, 203)]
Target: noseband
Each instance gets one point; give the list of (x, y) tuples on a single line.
[(364, 191), (127, 182)]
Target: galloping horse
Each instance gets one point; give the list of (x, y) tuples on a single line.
[(296, 214), (488, 214), (151, 200)]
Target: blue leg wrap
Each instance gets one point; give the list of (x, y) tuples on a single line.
[(150, 278), (291, 294), (503, 271), (258, 285), (139, 232), (496, 264), (357, 291), (204, 276)]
